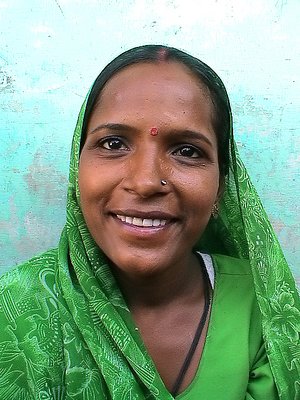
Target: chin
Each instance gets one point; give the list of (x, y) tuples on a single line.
[(139, 266)]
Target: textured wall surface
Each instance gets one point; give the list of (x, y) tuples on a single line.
[(50, 52)]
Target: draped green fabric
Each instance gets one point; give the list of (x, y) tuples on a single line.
[(84, 312), (242, 230)]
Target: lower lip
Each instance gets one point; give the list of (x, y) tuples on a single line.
[(142, 231)]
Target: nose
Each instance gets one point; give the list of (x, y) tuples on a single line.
[(145, 174)]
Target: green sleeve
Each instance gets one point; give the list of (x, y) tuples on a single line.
[(31, 348), (261, 384)]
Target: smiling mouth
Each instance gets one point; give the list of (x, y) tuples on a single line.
[(142, 222)]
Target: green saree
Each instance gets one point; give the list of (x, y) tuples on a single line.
[(66, 332)]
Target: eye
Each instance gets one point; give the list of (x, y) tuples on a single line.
[(188, 151), (113, 144)]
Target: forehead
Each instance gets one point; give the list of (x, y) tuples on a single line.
[(159, 93), (160, 80)]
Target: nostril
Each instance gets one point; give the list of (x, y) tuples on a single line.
[(146, 187)]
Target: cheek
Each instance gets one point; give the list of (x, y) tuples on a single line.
[(203, 189), (201, 205), (92, 179), (85, 181), (201, 196), (89, 189)]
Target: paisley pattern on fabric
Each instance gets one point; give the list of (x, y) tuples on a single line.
[(75, 337)]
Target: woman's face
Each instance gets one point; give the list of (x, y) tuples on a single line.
[(143, 226)]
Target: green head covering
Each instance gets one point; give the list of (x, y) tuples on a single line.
[(242, 230)]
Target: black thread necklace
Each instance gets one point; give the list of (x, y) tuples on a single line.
[(198, 333)]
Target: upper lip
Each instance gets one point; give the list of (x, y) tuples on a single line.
[(153, 214)]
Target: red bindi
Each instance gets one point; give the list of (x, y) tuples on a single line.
[(154, 131)]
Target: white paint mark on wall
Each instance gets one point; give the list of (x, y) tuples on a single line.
[(210, 13), (3, 4), (42, 29)]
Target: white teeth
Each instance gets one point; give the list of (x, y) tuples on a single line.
[(137, 221), (146, 222)]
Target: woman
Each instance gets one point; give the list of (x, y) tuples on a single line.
[(127, 307)]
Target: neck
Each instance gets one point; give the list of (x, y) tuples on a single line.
[(173, 284)]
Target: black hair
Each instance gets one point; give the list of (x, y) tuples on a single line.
[(157, 53)]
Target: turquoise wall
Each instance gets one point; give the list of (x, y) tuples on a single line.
[(50, 52)]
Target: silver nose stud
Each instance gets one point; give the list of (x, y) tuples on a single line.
[(163, 182)]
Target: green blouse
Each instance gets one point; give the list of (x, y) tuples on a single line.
[(234, 365), (44, 356)]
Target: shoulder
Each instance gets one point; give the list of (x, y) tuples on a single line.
[(29, 270), (25, 288), (235, 305), (234, 286), (233, 278), (30, 327), (226, 265)]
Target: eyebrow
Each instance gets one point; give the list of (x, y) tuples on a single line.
[(183, 133), (189, 134), (112, 127)]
